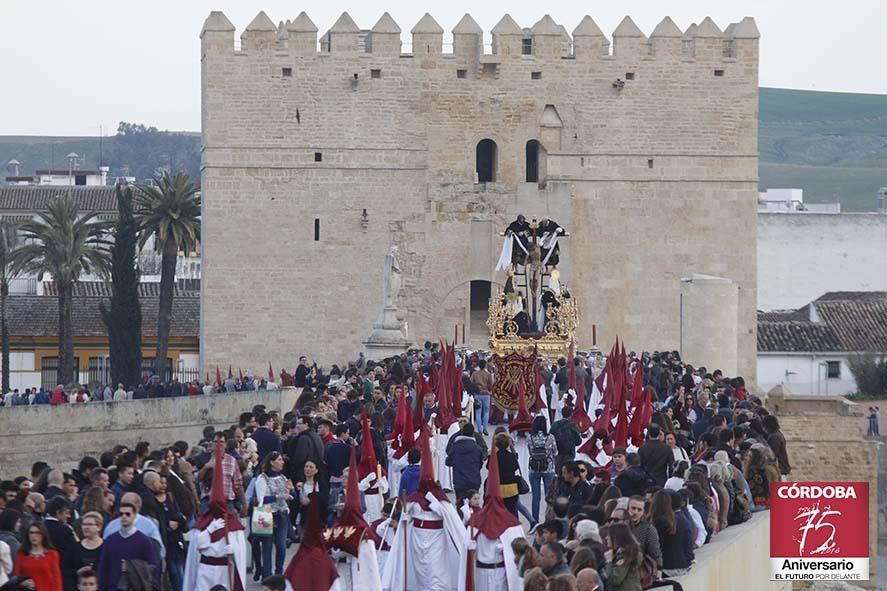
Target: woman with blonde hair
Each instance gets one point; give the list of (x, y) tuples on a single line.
[(90, 546), (535, 580)]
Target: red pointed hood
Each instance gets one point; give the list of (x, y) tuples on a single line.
[(538, 403), (270, 372), (572, 369), (522, 421), (218, 504), (635, 426), (407, 434), (493, 518), (230, 373), (218, 376), (311, 568), (351, 528), (580, 415), (450, 381), (400, 417), (369, 464), (427, 480)]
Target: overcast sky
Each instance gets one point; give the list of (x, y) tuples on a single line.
[(69, 67)]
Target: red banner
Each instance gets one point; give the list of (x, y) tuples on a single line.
[(819, 531), (510, 370)]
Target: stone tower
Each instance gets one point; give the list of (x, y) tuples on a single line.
[(316, 162)]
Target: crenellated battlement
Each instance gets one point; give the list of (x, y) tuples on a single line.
[(544, 40)]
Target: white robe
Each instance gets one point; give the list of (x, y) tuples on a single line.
[(373, 502), (360, 573), (428, 558), (387, 535), (521, 446), (203, 577), (493, 552), (395, 465), (557, 403), (444, 472)]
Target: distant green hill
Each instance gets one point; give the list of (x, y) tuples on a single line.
[(833, 145), (136, 150)]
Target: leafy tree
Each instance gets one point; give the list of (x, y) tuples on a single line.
[(66, 243), (169, 211), (870, 373), (123, 318), (9, 270)]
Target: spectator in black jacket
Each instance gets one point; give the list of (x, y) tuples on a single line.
[(675, 535), (656, 457), (704, 423), (58, 513), (573, 486), (466, 458), (508, 471), (634, 480), (304, 444)]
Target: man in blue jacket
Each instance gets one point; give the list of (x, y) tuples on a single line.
[(266, 439), (466, 458)]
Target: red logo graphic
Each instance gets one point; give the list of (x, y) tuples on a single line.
[(819, 520)]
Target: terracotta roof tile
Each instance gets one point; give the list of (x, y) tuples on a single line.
[(37, 316), (846, 321), (35, 198)]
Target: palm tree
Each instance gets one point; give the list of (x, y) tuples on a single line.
[(169, 211), (9, 270), (67, 243)]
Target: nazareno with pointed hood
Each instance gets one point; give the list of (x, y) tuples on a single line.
[(427, 481), (493, 518), (312, 568), (407, 433), (369, 464), (218, 504), (522, 421), (350, 529)]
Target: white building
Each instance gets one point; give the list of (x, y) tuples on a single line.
[(808, 349)]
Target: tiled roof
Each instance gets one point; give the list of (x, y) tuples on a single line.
[(103, 289), (37, 316), (845, 321), (32, 198)]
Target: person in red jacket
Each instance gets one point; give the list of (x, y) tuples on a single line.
[(38, 560), (57, 396)]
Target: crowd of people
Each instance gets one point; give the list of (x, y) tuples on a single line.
[(151, 387), (600, 516)]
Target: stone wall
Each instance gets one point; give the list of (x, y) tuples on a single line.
[(736, 559), (61, 435), (825, 438), (655, 181)]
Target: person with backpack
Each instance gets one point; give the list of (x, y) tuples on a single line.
[(543, 451), (567, 438)]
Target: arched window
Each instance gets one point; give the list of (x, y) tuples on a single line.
[(533, 161), (486, 155)]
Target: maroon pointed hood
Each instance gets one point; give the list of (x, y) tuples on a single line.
[(427, 481), (311, 568), (522, 421), (351, 528), (218, 504), (493, 519)]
